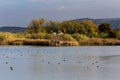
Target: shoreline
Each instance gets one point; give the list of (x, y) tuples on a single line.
[(47, 42)]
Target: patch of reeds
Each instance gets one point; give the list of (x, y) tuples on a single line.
[(99, 41), (60, 40), (79, 37), (68, 37), (39, 36), (40, 42), (70, 43)]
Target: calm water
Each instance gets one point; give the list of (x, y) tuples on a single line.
[(59, 63)]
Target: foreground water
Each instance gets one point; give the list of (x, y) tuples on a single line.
[(59, 63)]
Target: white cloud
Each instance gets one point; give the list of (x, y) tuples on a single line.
[(61, 8)]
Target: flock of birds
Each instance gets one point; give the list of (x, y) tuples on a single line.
[(8, 55), (21, 54)]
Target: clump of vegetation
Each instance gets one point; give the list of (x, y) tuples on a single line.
[(99, 41), (36, 26), (40, 32), (36, 42), (68, 37), (40, 36), (4, 37), (80, 37), (103, 35), (118, 34)]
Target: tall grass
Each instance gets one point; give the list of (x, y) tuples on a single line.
[(118, 35), (38, 36), (68, 37), (5, 37), (44, 39), (99, 41), (79, 37)]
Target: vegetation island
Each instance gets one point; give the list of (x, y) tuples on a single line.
[(66, 33)]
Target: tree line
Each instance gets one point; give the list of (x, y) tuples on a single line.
[(85, 27)]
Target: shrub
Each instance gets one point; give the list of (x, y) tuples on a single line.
[(103, 35), (39, 36), (6, 36), (79, 37), (118, 35), (20, 35), (68, 37), (36, 42)]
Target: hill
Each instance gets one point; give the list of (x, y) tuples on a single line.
[(114, 22), (12, 29)]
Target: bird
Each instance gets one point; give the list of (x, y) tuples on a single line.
[(11, 68), (6, 63), (42, 60), (92, 63), (79, 62), (96, 62), (58, 63), (97, 66), (48, 62), (64, 60)]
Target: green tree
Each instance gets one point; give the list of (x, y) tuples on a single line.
[(52, 26), (71, 27), (114, 33), (36, 26), (104, 28), (91, 29)]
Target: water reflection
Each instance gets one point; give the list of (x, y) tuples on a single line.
[(59, 63)]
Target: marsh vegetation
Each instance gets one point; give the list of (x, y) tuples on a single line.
[(72, 33)]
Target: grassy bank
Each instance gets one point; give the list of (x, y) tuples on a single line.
[(54, 40), (45, 42), (39, 42), (99, 41)]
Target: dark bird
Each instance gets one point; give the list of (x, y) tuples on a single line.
[(92, 63), (48, 62), (79, 62), (97, 66), (6, 63), (42, 60), (96, 62), (64, 60), (11, 68), (58, 63)]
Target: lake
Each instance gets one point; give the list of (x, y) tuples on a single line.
[(59, 63)]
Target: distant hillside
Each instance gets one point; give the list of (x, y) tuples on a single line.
[(12, 29), (114, 22)]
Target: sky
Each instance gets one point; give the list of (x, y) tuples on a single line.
[(22, 12)]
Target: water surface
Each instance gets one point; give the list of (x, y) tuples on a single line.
[(59, 63)]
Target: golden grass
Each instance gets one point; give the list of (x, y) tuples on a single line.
[(70, 43), (99, 41), (46, 42), (40, 42)]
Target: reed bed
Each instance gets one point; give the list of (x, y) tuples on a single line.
[(48, 40), (99, 41)]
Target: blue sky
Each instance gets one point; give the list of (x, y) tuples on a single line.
[(21, 12)]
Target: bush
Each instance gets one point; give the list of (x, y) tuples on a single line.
[(80, 37), (20, 35), (118, 35), (6, 36), (39, 36), (36, 42), (68, 37), (103, 35)]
